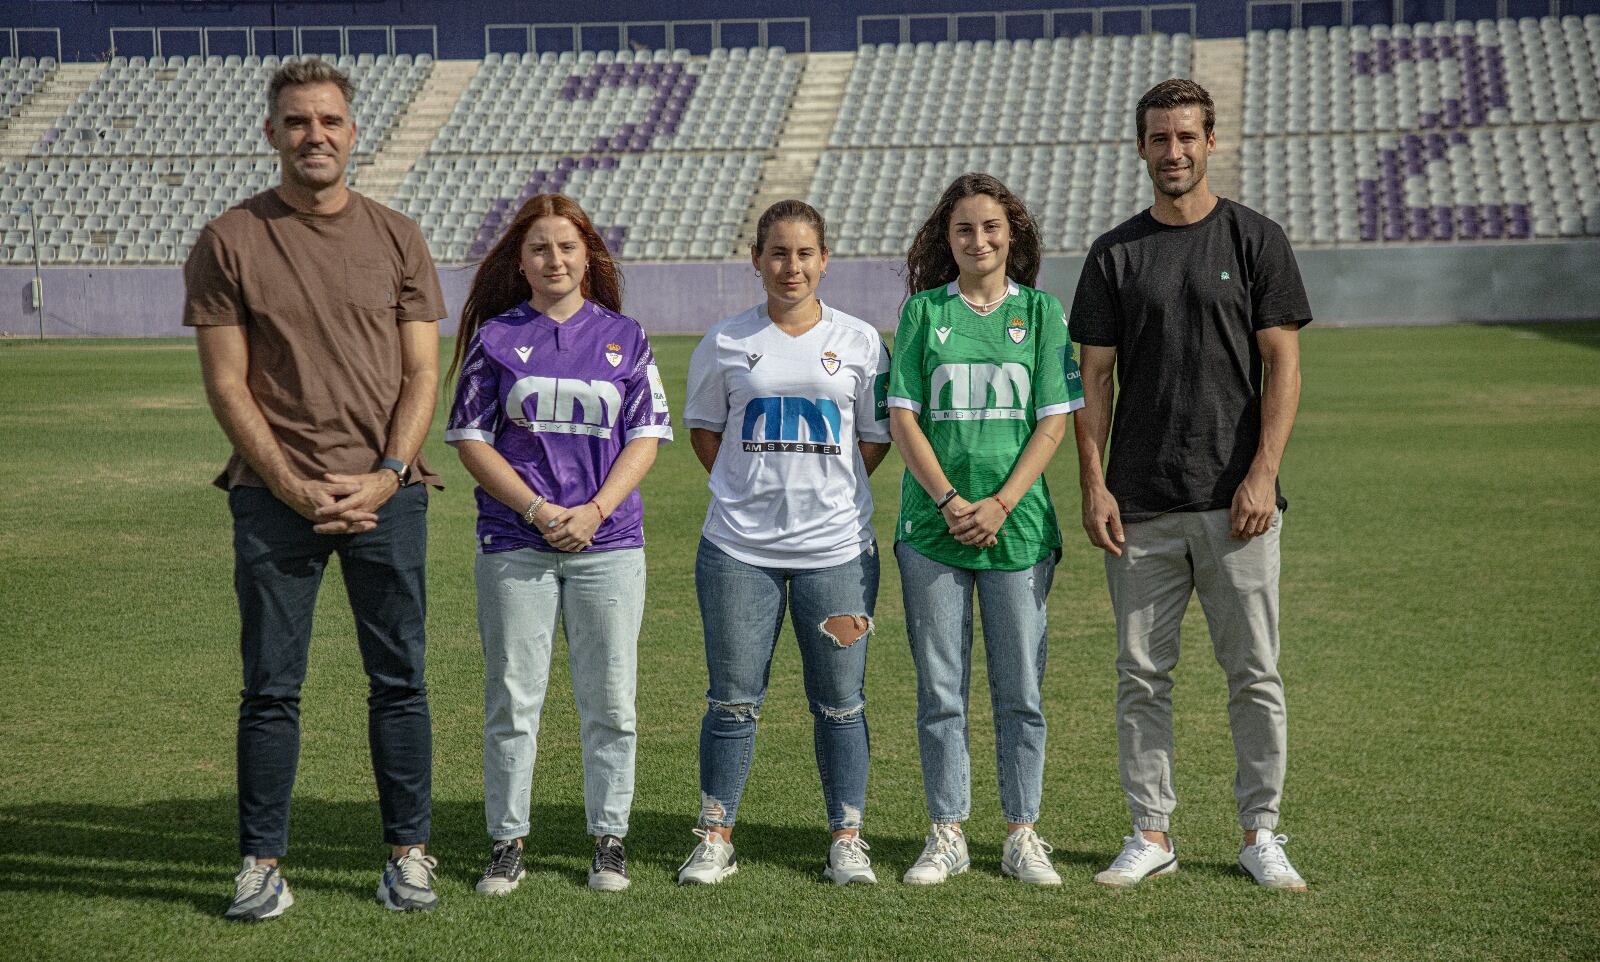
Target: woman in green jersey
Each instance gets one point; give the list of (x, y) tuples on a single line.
[(980, 388)]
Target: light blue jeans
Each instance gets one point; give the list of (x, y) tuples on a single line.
[(938, 601), (742, 607), (599, 595)]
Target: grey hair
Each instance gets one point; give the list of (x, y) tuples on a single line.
[(311, 70)]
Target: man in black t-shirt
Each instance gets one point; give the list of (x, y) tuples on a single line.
[(1195, 305)]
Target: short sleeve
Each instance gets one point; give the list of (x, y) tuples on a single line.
[(1277, 293), (707, 405), (212, 295), (1094, 306), (1051, 394), (644, 404), (475, 415), (872, 395), (420, 296), (907, 387)]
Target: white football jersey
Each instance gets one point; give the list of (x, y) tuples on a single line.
[(789, 489)]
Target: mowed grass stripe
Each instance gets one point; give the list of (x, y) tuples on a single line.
[(1440, 651)]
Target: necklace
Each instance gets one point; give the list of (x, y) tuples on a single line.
[(984, 308)]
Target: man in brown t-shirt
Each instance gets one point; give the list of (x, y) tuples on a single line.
[(315, 310)]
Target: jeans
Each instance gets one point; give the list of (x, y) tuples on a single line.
[(742, 608), (278, 565), (599, 597), (938, 601), (1163, 562)]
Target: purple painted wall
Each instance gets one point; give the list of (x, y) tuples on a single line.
[(1435, 284)]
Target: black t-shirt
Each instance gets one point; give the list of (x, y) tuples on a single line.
[(1182, 306)]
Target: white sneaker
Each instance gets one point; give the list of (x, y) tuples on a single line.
[(944, 855), (710, 862), (1139, 859), (1268, 864), (1026, 858), (848, 862), (259, 892)]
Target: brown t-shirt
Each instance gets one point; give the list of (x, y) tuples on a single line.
[(321, 298)]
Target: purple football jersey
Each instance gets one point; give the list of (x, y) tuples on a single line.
[(559, 401)]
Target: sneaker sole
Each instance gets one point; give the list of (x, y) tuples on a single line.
[(1291, 887), (1124, 882), (499, 886), (1008, 872), (608, 882), (384, 897), (959, 869), (732, 868), (285, 899), (846, 878)]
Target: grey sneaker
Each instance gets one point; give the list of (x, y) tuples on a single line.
[(1268, 864), (505, 869), (944, 855), (1026, 858), (710, 862), (1139, 859), (407, 883), (608, 872), (259, 892), (848, 862)]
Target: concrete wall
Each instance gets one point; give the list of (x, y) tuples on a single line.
[(1376, 285)]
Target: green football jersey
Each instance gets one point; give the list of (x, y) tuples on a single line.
[(978, 385)]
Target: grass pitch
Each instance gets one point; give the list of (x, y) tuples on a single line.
[(1440, 605)]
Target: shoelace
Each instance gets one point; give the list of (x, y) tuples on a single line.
[(1033, 850), (252, 880), (610, 858), (416, 870), (504, 859), (852, 849), (1273, 858), (1129, 853), (706, 852), (943, 843)]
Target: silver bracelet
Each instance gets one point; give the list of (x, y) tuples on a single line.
[(949, 496), (533, 508)]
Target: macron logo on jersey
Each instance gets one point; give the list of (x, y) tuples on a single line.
[(792, 425), (980, 392), (564, 405)]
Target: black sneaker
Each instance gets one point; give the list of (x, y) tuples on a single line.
[(609, 870), (259, 892), (505, 869)]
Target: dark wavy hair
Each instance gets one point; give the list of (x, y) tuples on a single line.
[(929, 262), (499, 285)]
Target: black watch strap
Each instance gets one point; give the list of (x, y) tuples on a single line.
[(399, 467)]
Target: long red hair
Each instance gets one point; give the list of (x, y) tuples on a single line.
[(499, 285)]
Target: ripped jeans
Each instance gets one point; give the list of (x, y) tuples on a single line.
[(742, 608)]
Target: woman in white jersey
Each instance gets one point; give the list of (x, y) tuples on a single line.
[(786, 410), (982, 384)]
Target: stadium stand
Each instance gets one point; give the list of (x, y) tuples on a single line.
[(1410, 133), (909, 124), (643, 137), (1425, 132)]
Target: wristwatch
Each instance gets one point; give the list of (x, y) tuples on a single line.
[(399, 467)]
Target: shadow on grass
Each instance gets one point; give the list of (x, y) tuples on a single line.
[(181, 850)]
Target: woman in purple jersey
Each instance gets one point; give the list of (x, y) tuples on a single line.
[(557, 415)]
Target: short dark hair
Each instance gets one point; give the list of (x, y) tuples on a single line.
[(1177, 92), (789, 210), (311, 70)]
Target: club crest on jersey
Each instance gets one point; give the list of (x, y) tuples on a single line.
[(830, 363), (1017, 330), (752, 360), (524, 352), (943, 332), (614, 354)]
